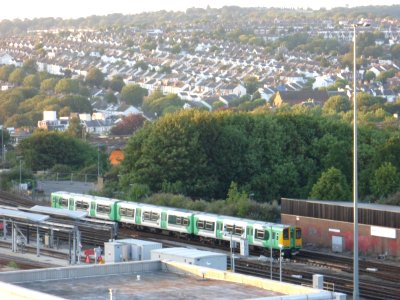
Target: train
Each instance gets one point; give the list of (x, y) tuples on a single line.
[(286, 239)]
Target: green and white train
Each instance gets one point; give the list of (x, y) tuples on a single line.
[(193, 224)]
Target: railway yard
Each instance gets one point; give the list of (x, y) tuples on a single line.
[(378, 278)]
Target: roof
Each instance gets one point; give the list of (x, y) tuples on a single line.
[(187, 252), (59, 212), (303, 96), (23, 215), (361, 205)]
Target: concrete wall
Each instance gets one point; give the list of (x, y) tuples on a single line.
[(75, 272), (319, 232)]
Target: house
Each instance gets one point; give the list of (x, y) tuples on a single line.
[(300, 97)]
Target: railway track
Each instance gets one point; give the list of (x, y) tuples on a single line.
[(377, 280)]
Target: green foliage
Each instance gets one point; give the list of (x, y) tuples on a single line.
[(67, 86), (331, 185), (94, 77), (157, 104), (43, 150), (385, 180), (30, 66), (117, 83), (337, 104), (17, 76), (48, 85), (251, 84), (133, 94), (32, 81)]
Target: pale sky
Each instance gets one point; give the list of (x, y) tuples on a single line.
[(81, 8)]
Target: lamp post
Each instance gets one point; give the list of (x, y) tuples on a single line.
[(20, 173), (270, 251), (355, 165), (280, 262), (98, 160)]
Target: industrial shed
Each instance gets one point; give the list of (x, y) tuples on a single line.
[(330, 224)]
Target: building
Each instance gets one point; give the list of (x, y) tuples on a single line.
[(329, 224)]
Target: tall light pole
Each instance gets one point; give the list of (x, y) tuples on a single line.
[(270, 251), (280, 264), (98, 160), (20, 173), (355, 165)]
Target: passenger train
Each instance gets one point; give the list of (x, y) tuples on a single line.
[(193, 224)]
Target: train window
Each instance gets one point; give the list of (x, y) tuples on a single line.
[(298, 233), (260, 234), (238, 231), (286, 234), (146, 215), (185, 221), (210, 226), (171, 219), (178, 220), (273, 235), (64, 202), (122, 211), (104, 209), (130, 212), (229, 228), (200, 224), (154, 216)]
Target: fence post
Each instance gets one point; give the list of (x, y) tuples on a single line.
[(72, 174)]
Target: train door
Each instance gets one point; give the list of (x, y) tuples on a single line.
[(249, 234), (92, 211), (164, 220), (55, 201), (219, 231), (71, 204), (138, 213), (292, 237)]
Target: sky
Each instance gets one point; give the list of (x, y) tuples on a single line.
[(30, 9)]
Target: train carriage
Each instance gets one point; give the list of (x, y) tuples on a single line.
[(128, 212), (205, 225), (179, 220), (153, 216), (234, 228), (105, 208)]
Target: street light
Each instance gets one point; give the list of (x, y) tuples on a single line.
[(355, 166), (270, 251), (280, 262), (20, 173), (231, 246)]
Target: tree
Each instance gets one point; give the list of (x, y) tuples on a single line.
[(133, 94), (76, 103), (5, 72), (385, 180), (17, 76), (67, 86), (369, 76), (251, 84), (32, 80), (75, 128), (48, 85), (43, 150), (94, 77), (128, 125), (117, 83), (331, 185), (30, 66), (337, 104)]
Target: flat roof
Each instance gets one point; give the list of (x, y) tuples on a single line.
[(151, 286), (373, 206), (37, 218), (187, 252), (59, 212)]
